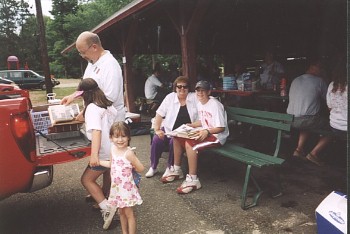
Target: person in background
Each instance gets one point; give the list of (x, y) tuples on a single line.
[(124, 192), (178, 107), (214, 132), (305, 99), (153, 90), (106, 71), (270, 72), (337, 102), (99, 114), (337, 99)]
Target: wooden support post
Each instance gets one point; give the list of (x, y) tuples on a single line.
[(188, 34), (129, 79)]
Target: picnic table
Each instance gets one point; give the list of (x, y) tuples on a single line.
[(237, 98), (268, 100), (272, 101), (233, 92)]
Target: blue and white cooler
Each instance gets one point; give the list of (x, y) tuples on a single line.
[(331, 214)]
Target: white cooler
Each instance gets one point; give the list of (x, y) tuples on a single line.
[(331, 214)]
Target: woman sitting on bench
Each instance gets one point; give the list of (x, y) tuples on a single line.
[(213, 120), (178, 107)]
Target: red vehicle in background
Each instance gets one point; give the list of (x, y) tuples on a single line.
[(27, 155)]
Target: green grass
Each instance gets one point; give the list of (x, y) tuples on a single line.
[(38, 97)]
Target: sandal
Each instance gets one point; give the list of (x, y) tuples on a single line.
[(299, 154), (314, 159)]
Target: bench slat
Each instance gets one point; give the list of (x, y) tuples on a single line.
[(258, 114), (247, 156), (262, 122)]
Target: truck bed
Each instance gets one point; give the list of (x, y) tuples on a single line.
[(49, 145)]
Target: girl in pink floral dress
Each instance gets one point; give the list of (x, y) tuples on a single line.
[(124, 193)]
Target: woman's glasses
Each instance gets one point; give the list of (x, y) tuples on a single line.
[(182, 86)]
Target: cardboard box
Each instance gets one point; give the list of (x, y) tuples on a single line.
[(331, 214)]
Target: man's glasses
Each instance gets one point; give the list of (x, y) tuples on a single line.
[(182, 86), (82, 53)]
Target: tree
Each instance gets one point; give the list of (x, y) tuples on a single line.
[(30, 43), (8, 12), (58, 38), (13, 15), (69, 21), (19, 31)]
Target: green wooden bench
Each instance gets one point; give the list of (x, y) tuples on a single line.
[(277, 121)]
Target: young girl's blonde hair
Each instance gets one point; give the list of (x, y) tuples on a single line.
[(120, 128)]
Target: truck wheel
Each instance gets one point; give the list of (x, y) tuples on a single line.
[(43, 86)]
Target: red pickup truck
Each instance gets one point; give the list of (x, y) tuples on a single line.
[(27, 156)]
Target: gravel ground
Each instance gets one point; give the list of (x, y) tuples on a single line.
[(215, 208)]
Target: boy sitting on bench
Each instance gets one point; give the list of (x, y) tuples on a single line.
[(213, 120)]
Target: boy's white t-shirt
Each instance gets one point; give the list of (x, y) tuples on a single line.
[(101, 119), (212, 115)]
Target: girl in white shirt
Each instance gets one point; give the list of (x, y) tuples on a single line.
[(99, 114), (337, 99)]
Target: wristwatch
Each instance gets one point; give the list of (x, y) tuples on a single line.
[(208, 132)]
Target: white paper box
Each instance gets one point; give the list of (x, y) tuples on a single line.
[(331, 214)]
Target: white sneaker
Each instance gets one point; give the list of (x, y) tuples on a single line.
[(189, 185), (167, 171), (151, 172), (171, 175), (108, 215)]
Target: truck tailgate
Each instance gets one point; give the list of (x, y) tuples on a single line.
[(59, 144), (54, 151)]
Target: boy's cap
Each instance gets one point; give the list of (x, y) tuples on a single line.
[(203, 84)]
